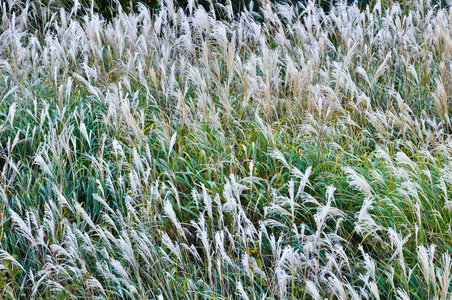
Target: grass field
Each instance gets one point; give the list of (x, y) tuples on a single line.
[(290, 154)]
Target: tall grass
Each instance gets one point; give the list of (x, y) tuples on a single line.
[(294, 154)]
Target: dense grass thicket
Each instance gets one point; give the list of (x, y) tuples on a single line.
[(290, 154), (110, 8)]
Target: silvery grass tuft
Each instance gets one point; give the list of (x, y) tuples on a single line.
[(285, 153)]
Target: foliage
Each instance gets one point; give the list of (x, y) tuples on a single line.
[(292, 153)]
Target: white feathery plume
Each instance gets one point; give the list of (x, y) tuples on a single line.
[(240, 291), (402, 294), (85, 133), (172, 143), (219, 245), (289, 259), (169, 243), (369, 263), (6, 256), (304, 179), (49, 219), (207, 201), (276, 154), (358, 181), (117, 148), (202, 234), (23, 228), (39, 160), (398, 241), (426, 259), (373, 287), (444, 275), (78, 207), (61, 199), (282, 280), (381, 69), (190, 5), (403, 159), (366, 223), (312, 290), (360, 71), (168, 208), (11, 112), (93, 283), (246, 264), (337, 286)]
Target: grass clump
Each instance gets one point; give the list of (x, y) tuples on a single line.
[(287, 155)]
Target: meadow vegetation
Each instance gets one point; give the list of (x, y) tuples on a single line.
[(285, 154)]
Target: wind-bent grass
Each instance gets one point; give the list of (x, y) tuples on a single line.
[(178, 156)]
